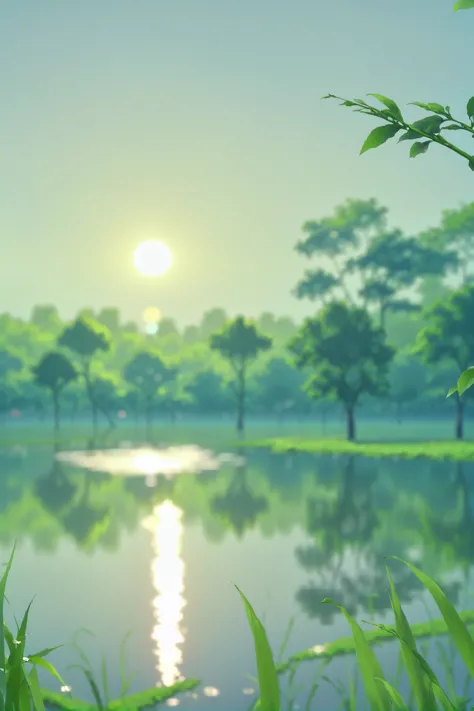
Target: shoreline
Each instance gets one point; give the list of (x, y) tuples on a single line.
[(434, 450)]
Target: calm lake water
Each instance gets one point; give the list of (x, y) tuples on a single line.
[(121, 548)]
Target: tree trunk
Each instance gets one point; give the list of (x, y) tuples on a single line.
[(350, 423), (459, 419), (240, 400), (148, 419), (56, 410)]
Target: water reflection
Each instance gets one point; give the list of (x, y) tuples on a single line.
[(146, 461), (168, 581)]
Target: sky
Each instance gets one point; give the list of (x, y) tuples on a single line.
[(200, 123)]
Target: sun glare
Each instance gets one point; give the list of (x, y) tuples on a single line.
[(152, 258)]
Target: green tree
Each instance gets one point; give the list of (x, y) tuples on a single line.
[(348, 355), (110, 318), (46, 318), (363, 262), (449, 337), (208, 394), (212, 320), (408, 382), (54, 372), (85, 338), (239, 342), (147, 374), (279, 388), (455, 233)]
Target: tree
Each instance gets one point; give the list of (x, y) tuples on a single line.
[(408, 382), (456, 234), (239, 342), (348, 355), (279, 387), (46, 318), (110, 318), (208, 394), (54, 372), (147, 373), (212, 320), (85, 337), (449, 337), (354, 245)]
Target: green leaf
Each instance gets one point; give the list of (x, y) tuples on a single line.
[(368, 664), (453, 127), (456, 627), (470, 108), (35, 690), (421, 687), (452, 390), (430, 124), (395, 695), (378, 136), (267, 674), (466, 380), (419, 147), (3, 679), (432, 106), (390, 104), (40, 662), (463, 5)]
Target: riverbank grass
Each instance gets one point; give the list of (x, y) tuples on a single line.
[(455, 451)]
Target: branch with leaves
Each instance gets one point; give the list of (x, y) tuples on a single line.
[(429, 128)]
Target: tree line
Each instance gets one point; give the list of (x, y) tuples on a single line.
[(392, 324)]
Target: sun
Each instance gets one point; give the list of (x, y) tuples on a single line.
[(152, 258)]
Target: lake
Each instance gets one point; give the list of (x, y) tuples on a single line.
[(106, 544)]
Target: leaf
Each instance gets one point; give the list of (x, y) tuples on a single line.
[(40, 662), (453, 127), (452, 390), (395, 695), (470, 108), (430, 124), (432, 106), (378, 136), (3, 583), (368, 664), (419, 147), (390, 104), (465, 381), (35, 690), (456, 627), (267, 674), (463, 5), (420, 685)]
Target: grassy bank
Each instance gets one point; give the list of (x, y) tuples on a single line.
[(458, 451)]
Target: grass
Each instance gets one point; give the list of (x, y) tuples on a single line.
[(20, 690), (426, 693), (455, 451)]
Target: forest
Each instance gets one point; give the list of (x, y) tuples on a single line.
[(390, 333)]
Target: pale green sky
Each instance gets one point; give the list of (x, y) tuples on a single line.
[(199, 122)]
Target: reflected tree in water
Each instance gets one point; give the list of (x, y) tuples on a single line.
[(239, 506), (345, 557)]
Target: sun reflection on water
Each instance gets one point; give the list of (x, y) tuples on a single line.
[(168, 581)]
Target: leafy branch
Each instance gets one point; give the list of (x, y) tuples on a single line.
[(429, 128)]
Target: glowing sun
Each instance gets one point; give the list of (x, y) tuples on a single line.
[(152, 258)]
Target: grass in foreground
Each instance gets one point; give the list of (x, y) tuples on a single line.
[(456, 451), (425, 690)]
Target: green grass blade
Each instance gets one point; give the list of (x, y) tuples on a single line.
[(3, 677), (286, 638), (46, 651), (41, 662), (125, 684), (267, 674), (368, 664), (35, 690), (395, 695), (457, 629), (105, 679), (422, 689)]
